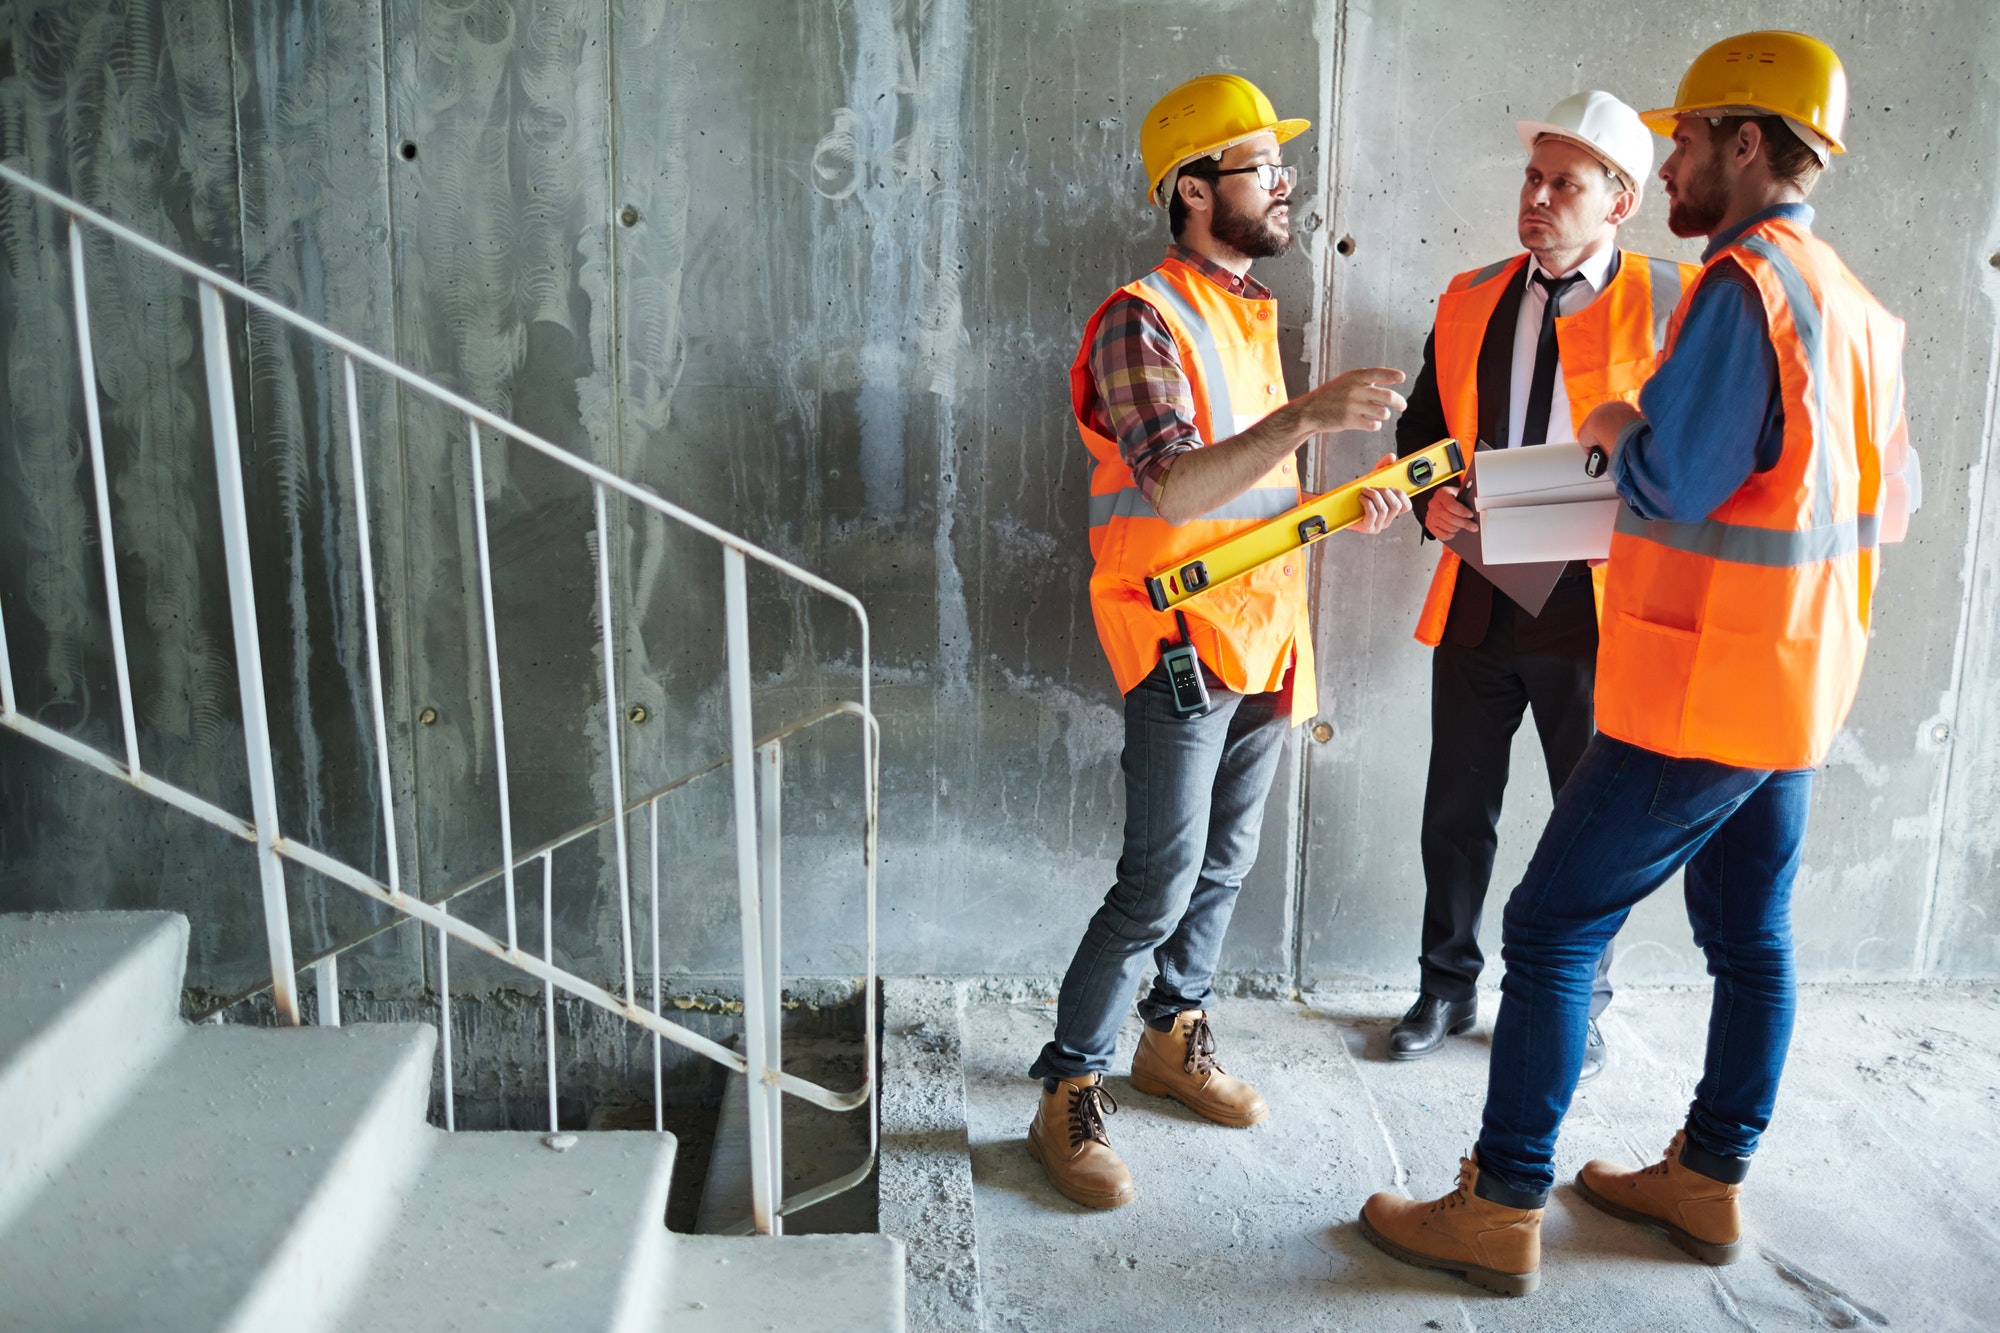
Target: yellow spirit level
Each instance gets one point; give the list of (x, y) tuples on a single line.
[(1236, 556)]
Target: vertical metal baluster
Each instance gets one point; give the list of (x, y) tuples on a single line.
[(493, 677), (549, 987), (249, 650), (444, 1020), (326, 982), (763, 1171), (770, 785), (107, 549), (6, 671), (368, 615), (659, 1103), (612, 721)]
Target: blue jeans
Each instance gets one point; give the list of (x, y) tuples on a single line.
[(1623, 823), (1194, 807)]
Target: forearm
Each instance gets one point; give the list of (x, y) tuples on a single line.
[(1202, 480)]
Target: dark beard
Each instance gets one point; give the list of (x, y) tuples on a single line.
[(1254, 236), (1700, 207)]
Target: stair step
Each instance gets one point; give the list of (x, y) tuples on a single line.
[(742, 1284), (89, 1004), (502, 1232), (242, 1186)]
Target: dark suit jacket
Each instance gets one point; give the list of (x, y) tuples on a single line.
[(1423, 424)]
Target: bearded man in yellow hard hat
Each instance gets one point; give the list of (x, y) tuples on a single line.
[(1178, 394), (1756, 474)]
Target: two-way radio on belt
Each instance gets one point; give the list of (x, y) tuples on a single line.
[(1236, 556)]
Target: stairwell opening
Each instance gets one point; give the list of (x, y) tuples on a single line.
[(605, 1082)]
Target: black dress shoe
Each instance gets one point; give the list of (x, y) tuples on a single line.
[(1593, 1054), (1428, 1023)]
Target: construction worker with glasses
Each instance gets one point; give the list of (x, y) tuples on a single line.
[(1179, 397), (1521, 352), (1757, 475)]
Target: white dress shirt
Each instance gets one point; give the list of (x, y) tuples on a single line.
[(1596, 272)]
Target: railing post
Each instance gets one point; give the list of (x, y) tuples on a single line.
[(249, 650), (763, 1168), (485, 547), (653, 841), (375, 704), (100, 486), (6, 673), (613, 720), (326, 981), (548, 987), (444, 1019), (770, 788)]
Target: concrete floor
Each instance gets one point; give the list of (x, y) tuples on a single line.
[(1875, 1201)]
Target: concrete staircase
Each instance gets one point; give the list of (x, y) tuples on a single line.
[(162, 1176)]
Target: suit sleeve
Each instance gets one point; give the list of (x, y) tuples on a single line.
[(1422, 425)]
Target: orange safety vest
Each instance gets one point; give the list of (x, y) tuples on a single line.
[(1739, 638), (1250, 631), (1608, 350)]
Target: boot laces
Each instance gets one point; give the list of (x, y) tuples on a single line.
[(1200, 1048), (1667, 1158), (1087, 1109), (1457, 1198)]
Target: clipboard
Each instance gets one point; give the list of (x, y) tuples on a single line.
[(1528, 585)]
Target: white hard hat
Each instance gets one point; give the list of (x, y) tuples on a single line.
[(1603, 125)]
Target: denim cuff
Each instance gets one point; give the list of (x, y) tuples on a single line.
[(1716, 1166), (1494, 1190)]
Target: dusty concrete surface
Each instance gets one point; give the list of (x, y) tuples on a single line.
[(1875, 1202), (926, 1172)]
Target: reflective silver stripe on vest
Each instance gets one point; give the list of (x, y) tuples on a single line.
[(1806, 318), (1258, 503), (1221, 413), (1741, 545), (1487, 274), (1666, 276)]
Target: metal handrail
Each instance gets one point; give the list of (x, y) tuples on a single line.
[(527, 859), (756, 762)]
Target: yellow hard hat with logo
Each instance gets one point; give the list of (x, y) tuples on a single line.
[(1203, 117), (1764, 73)]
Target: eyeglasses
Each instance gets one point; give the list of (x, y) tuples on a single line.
[(1268, 174)]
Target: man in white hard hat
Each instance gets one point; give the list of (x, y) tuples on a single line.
[(1179, 396), (1521, 351)]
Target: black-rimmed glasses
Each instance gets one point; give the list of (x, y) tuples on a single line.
[(1268, 174)]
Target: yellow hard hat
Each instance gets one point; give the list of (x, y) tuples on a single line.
[(1205, 115), (1764, 73)]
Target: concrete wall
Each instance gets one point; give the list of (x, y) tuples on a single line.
[(816, 272)]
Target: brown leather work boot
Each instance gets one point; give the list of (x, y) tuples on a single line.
[(1699, 1213), (1181, 1064), (1487, 1244), (1067, 1137)]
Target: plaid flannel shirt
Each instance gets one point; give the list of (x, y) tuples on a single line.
[(1142, 398)]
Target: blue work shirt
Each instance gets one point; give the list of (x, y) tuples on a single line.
[(1713, 410)]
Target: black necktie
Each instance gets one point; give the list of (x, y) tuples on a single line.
[(1542, 385)]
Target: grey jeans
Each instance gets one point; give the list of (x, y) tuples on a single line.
[(1194, 807)]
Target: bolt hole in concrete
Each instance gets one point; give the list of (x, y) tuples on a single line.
[(408, 150), (1345, 245), (629, 216)]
